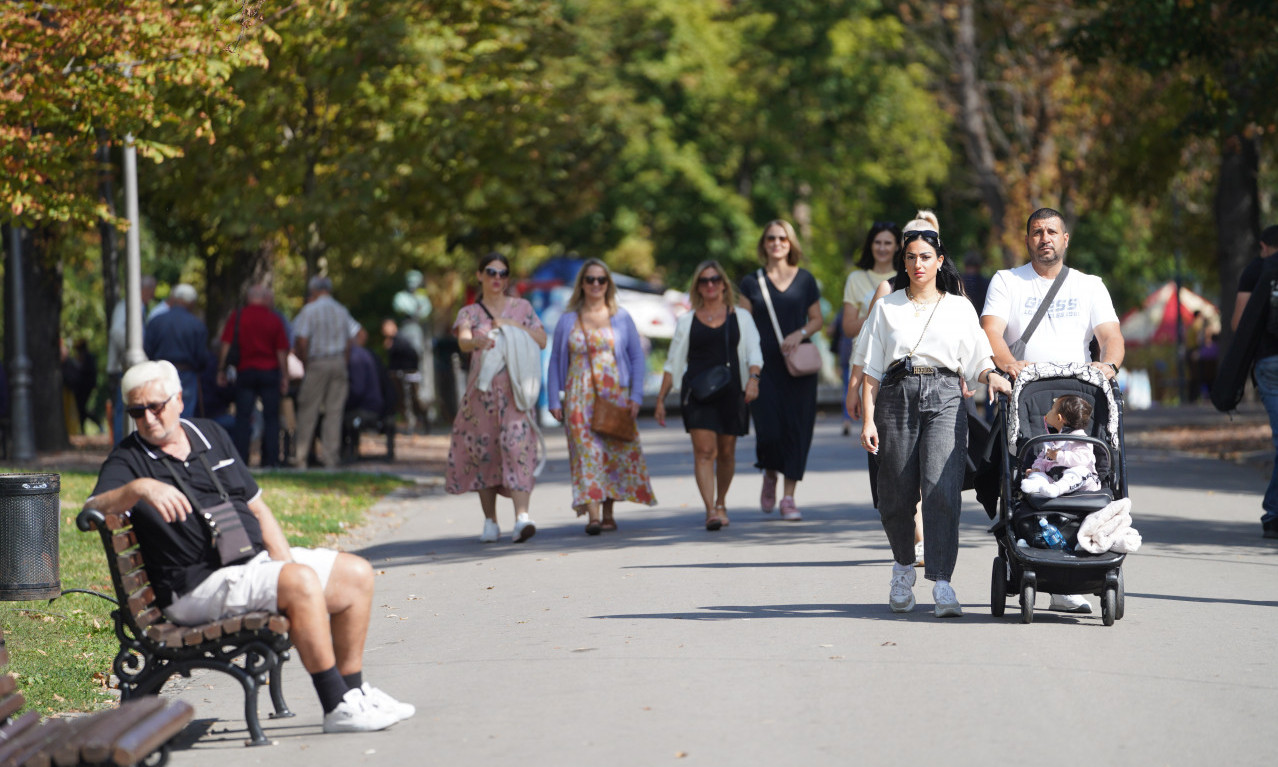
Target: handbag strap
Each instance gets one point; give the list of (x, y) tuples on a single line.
[(590, 359), (485, 308), (1042, 308), (186, 490), (767, 299)]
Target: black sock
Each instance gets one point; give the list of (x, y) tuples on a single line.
[(331, 688), (354, 681)]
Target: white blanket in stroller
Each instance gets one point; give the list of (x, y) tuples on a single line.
[(1110, 529)]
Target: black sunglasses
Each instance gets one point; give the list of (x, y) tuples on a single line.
[(713, 279), (500, 273), (926, 234), (137, 411), (777, 238), (591, 279)]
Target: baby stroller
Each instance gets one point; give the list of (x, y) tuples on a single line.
[(1028, 568)]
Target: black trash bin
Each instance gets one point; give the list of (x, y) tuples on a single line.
[(29, 509)]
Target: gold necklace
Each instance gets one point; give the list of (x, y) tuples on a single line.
[(919, 306)]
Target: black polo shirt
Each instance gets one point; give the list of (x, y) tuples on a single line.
[(180, 555)]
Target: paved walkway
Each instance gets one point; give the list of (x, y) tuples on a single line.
[(770, 643)]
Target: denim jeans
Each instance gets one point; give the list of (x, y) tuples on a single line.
[(922, 429), (1267, 384), (251, 385)]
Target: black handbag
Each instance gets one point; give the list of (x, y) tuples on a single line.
[(710, 383), (222, 520)]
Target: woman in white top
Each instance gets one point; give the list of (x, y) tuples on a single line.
[(916, 345), (714, 359)]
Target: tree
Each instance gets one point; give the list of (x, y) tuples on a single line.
[(1220, 56)]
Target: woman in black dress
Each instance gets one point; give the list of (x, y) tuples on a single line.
[(785, 412), (715, 335)]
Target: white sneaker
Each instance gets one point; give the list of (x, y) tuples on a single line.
[(901, 598), (356, 713), (947, 604), (491, 532), (384, 702), (918, 554), (524, 528), (1070, 603)]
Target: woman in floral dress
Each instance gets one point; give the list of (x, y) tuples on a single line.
[(595, 330), (493, 449)]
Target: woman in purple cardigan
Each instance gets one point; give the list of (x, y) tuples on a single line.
[(597, 353)]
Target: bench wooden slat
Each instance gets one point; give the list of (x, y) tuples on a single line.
[(129, 562), (7, 684), (123, 541), (165, 634), (233, 624), (13, 729), (4, 654), (32, 748), (149, 616), (148, 735), (134, 580), (255, 621), (95, 743), (117, 521), (210, 631), (10, 705), (278, 624), (141, 600)]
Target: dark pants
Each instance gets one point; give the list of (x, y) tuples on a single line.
[(252, 385), (923, 436)]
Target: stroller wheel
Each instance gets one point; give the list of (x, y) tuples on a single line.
[(1119, 607), (998, 588), (1027, 603), (1109, 605)]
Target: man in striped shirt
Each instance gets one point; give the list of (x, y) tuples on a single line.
[(322, 341)]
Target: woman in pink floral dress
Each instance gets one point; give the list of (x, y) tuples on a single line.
[(493, 449), (595, 330)]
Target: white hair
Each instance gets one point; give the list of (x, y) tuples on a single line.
[(144, 373), (924, 219)]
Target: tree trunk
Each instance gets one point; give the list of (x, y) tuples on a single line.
[(42, 281), (1237, 217), (973, 112)]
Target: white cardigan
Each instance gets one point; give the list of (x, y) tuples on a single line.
[(518, 353), (749, 352)]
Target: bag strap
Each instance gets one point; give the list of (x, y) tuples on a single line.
[(485, 308), (186, 490), (1042, 308), (590, 359), (767, 299)]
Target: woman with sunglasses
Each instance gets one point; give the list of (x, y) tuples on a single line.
[(916, 346), (785, 411), (715, 335), (493, 449), (597, 353)]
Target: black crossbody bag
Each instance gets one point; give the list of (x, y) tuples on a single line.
[(222, 521), (711, 382)]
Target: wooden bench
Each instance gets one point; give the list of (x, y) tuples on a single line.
[(120, 736), (251, 647), (355, 424)]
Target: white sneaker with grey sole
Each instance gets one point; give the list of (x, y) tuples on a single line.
[(946, 603), (356, 713), (525, 528), (901, 597), (1070, 603), (491, 532), (385, 702)]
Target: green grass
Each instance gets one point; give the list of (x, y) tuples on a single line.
[(62, 651)]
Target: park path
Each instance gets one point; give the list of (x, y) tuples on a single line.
[(771, 643)]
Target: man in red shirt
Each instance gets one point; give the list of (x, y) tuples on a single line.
[(259, 374)]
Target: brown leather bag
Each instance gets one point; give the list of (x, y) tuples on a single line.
[(608, 418)]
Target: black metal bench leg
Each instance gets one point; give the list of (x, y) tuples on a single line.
[(256, 736), (282, 710)]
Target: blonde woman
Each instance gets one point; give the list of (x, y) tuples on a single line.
[(785, 411), (597, 353), (715, 335)]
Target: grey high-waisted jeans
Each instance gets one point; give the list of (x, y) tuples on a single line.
[(922, 447)]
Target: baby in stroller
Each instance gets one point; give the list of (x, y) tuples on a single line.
[(1064, 466)]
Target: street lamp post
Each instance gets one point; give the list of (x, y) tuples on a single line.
[(20, 371)]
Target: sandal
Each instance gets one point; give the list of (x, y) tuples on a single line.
[(594, 527), (713, 522), (722, 513), (608, 525)]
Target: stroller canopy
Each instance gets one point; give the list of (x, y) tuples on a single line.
[(1079, 371)]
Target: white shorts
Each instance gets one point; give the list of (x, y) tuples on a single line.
[(249, 587)]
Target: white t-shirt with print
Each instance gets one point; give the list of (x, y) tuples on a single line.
[(1080, 305)]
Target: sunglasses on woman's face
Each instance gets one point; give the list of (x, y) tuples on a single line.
[(713, 279), (137, 411), (777, 238), (591, 279), (500, 274)]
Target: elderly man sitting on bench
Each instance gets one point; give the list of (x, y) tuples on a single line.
[(213, 548)]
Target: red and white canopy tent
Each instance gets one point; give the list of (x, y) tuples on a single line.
[(1155, 321)]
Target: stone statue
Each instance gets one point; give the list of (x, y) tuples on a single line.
[(413, 308)]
